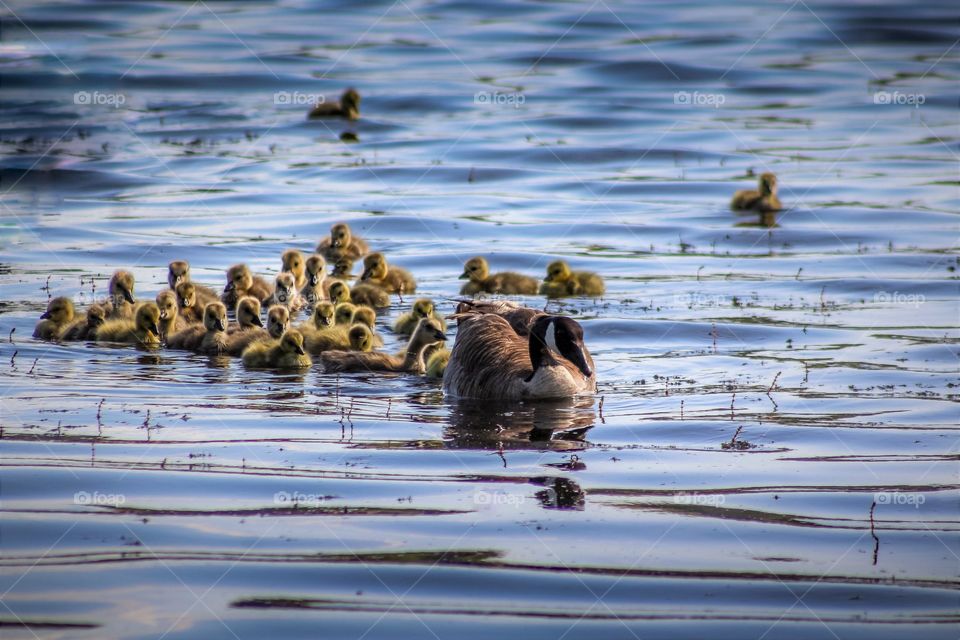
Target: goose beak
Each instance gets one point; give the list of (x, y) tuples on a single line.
[(129, 297), (300, 350), (365, 275), (154, 329), (163, 314), (314, 279), (228, 288), (45, 315), (579, 358), (178, 280), (257, 321), (464, 276), (439, 335), (220, 326)]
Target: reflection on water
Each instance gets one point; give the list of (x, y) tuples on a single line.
[(772, 449)]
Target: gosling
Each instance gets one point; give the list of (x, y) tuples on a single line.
[(55, 320), (285, 353), (390, 279), (342, 269), (437, 363), (248, 328), (241, 282), (343, 314), (348, 107), (765, 199), (339, 292), (368, 317), (314, 287), (170, 320), (410, 360), (209, 338), (86, 328), (422, 308), (285, 293), (292, 262), (477, 273), (178, 272), (278, 321), (143, 330), (370, 295), (561, 282), (190, 309), (121, 300), (342, 243)]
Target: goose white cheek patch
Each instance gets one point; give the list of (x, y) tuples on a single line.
[(551, 336)]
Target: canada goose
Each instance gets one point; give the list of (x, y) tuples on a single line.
[(55, 319), (285, 293), (342, 243), (240, 282), (170, 320), (437, 363), (278, 321), (209, 338), (343, 313), (342, 268), (477, 272), (247, 329), (339, 292), (368, 317), (121, 300), (561, 282), (390, 279), (86, 328), (285, 353), (764, 199), (190, 308), (314, 286), (491, 361), (427, 333), (370, 295), (178, 271), (519, 317), (348, 107), (292, 262), (142, 330), (422, 308)]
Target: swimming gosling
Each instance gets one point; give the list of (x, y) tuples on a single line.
[(209, 338), (278, 321), (422, 308), (409, 360), (368, 317), (178, 272), (247, 329), (122, 299), (348, 107), (477, 273), (241, 282), (314, 289), (170, 320), (190, 308), (561, 282), (285, 353), (285, 293), (763, 199), (86, 328), (339, 292), (437, 363), (292, 262), (143, 330), (377, 272), (55, 320), (342, 243), (370, 295)]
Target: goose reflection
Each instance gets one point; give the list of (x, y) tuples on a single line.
[(556, 426), (765, 219)]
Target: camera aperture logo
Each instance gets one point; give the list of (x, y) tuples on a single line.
[(297, 98), (498, 99), (97, 499)]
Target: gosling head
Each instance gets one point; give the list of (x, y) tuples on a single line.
[(292, 342), (286, 287), (186, 294), (339, 292), (239, 278), (342, 268), (768, 184), (340, 235), (343, 313), (147, 319), (121, 287), (248, 312), (177, 272), (60, 310), (350, 103), (215, 317), (475, 269), (293, 262), (323, 315), (423, 308), (558, 271), (278, 319), (364, 315), (167, 303), (428, 331), (361, 339), (96, 316), (315, 266), (374, 267), (561, 336)]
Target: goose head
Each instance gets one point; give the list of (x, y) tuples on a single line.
[(278, 319), (292, 342), (167, 303), (215, 317), (340, 236), (475, 269), (343, 313), (361, 339), (186, 294), (178, 271), (96, 316), (558, 271), (314, 268), (147, 320), (339, 292), (364, 315), (427, 332), (121, 287), (558, 336), (350, 103), (423, 308), (60, 310), (286, 287), (293, 263), (323, 315), (248, 312), (239, 278), (342, 268), (768, 184), (374, 267)]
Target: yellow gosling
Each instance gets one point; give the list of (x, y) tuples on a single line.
[(342, 268), (248, 328), (278, 321), (285, 353), (370, 295), (241, 282), (339, 292), (368, 317), (763, 199), (477, 273), (409, 360), (313, 290), (209, 338), (86, 328), (121, 295), (390, 279), (170, 320), (348, 107), (422, 308), (342, 243), (143, 330), (285, 293), (178, 272), (343, 313), (561, 282), (190, 308), (55, 320), (292, 262), (437, 363)]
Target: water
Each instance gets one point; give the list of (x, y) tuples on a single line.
[(773, 449)]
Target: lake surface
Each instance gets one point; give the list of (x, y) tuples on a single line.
[(773, 451)]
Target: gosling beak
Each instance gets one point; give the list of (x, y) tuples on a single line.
[(228, 288), (326, 322), (300, 350), (96, 322), (154, 329), (439, 335), (314, 279), (257, 321), (366, 275), (45, 315), (163, 314), (128, 296), (178, 280), (464, 276), (336, 244), (220, 325)]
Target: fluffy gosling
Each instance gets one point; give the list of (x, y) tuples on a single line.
[(121, 295), (409, 360), (763, 199), (437, 363), (285, 353), (170, 320), (86, 328), (313, 290), (285, 293), (339, 292), (55, 320), (477, 273), (248, 328), (370, 295), (178, 272), (209, 338), (342, 243), (390, 279), (143, 330), (561, 282), (278, 321), (422, 308), (241, 282), (292, 262), (348, 107), (190, 308)]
